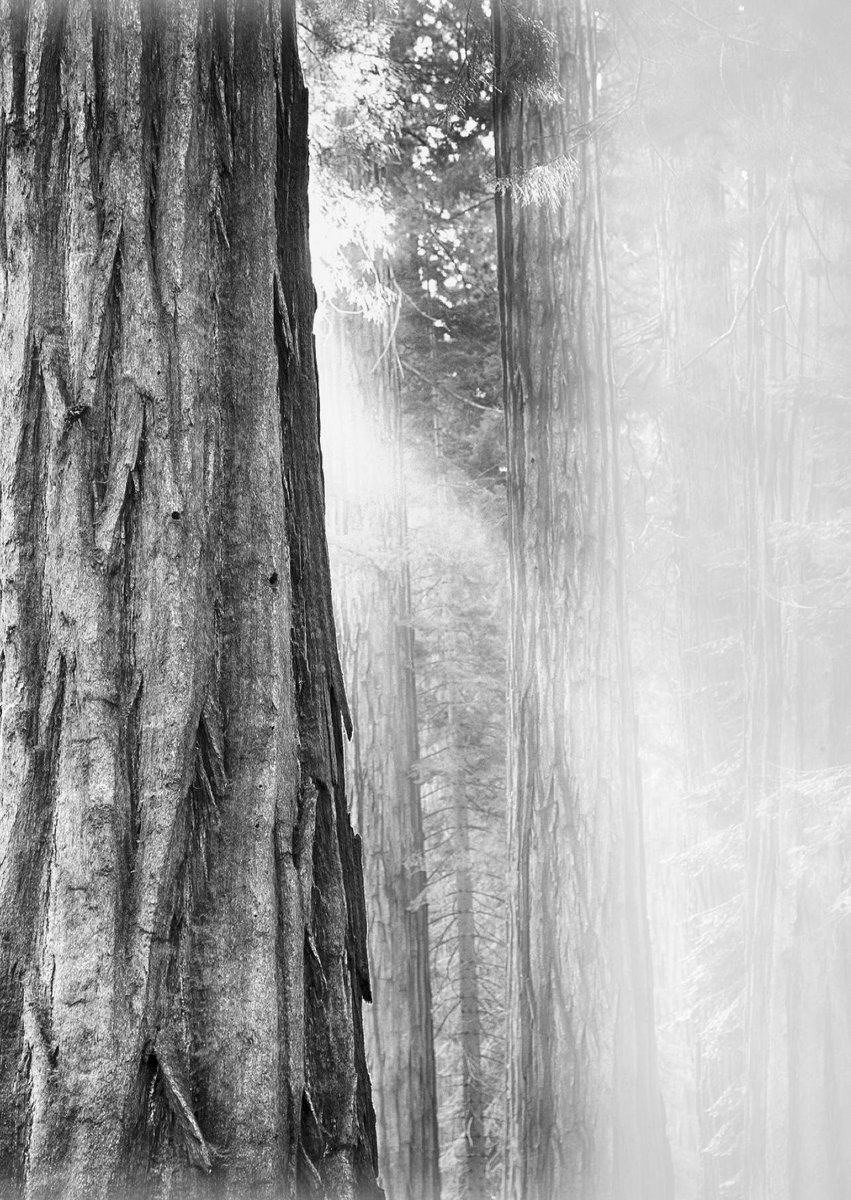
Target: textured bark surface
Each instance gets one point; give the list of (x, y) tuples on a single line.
[(584, 1112), (367, 519), (182, 931)]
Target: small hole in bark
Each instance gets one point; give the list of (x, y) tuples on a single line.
[(175, 516), (273, 579)]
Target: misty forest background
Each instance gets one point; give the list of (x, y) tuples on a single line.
[(717, 138)]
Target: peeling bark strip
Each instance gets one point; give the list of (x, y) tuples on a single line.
[(182, 930), (584, 1115)]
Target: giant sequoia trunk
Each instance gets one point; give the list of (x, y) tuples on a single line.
[(367, 529), (183, 958), (584, 1112)]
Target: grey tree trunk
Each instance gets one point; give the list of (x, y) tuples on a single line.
[(472, 1153), (798, 1081), (706, 454), (367, 528), (584, 1115), (182, 931)]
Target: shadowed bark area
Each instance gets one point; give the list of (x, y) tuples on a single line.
[(182, 932), (584, 1115)]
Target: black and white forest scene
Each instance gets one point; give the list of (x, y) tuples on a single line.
[(425, 600)]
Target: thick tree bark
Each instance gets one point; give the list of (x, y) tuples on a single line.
[(183, 935), (367, 527), (584, 1116)]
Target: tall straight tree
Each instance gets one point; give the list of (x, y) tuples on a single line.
[(707, 471), (796, 749), (182, 934), (367, 524), (584, 1116)]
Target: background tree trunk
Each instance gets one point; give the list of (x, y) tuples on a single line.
[(798, 1082), (706, 453), (183, 935), (368, 532), (584, 1111)]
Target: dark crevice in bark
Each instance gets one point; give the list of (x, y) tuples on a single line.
[(49, 84), (4, 254), (351, 861), (132, 740), (222, 89), (170, 1093), (18, 22), (163, 1120), (360, 989), (29, 485), (194, 834), (102, 418), (152, 77), (97, 136), (132, 682), (326, 1093), (336, 893)]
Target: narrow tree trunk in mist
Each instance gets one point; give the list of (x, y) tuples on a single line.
[(798, 1081), (584, 1115), (182, 931), (706, 463), (367, 524), (468, 1100), (472, 1151)]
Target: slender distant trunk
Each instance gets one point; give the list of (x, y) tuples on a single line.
[(468, 1100), (766, 496), (367, 524), (182, 933), (798, 1082), (459, 610), (706, 453), (584, 1115), (472, 1150)]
